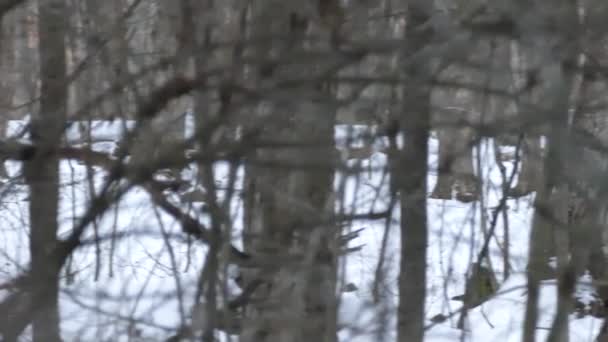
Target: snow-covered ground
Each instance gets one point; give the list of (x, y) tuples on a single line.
[(455, 238), (141, 283)]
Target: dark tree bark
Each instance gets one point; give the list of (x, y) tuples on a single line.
[(411, 173), (42, 172)]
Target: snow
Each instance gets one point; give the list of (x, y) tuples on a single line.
[(454, 241), (142, 284)]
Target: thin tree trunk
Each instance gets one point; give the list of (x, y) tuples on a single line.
[(531, 166), (7, 83), (549, 235), (42, 172), (411, 173), (205, 115)]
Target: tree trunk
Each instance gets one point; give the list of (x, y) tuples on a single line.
[(284, 226), (457, 110), (531, 166), (531, 156), (7, 83), (42, 172), (411, 173), (289, 206), (456, 171)]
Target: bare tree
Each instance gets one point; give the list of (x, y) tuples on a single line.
[(42, 171), (410, 173), (312, 122), (289, 211)]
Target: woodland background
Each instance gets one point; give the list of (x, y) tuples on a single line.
[(312, 170)]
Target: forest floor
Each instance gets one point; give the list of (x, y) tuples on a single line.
[(129, 287)]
